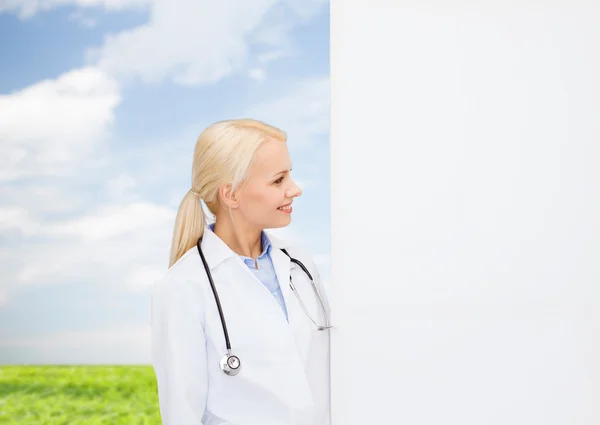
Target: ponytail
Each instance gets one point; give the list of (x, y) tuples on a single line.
[(189, 226)]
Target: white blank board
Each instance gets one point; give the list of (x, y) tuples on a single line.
[(465, 212)]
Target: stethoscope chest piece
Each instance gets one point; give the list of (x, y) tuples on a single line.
[(230, 364)]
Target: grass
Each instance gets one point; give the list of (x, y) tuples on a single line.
[(78, 395)]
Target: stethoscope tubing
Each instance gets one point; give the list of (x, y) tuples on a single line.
[(230, 364), (216, 295)]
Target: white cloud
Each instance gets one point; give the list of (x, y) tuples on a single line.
[(272, 55), (197, 42), (306, 9), (44, 197), (206, 41), (121, 186), (257, 74), (13, 218), (115, 245), (85, 21), (276, 38), (28, 8), (54, 125), (123, 345), (191, 42), (143, 277), (56, 230), (110, 221), (303, 112)]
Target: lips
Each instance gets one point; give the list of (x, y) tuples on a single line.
[(287, 208)]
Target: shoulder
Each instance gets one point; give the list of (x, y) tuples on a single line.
[(181, 288), (186, 267), (295, 250)]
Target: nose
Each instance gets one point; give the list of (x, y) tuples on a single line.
[(294, 190)]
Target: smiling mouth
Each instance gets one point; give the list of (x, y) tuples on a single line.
[(286, 208)]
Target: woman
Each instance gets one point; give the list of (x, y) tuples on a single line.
[(277, 368)]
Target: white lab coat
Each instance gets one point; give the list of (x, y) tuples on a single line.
[(284, 377)]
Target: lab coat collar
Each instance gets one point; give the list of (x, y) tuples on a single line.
[(216, 251)]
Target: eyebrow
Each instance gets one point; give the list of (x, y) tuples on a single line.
[(282, 172)]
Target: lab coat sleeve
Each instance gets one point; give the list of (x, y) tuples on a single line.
[(179, 352)]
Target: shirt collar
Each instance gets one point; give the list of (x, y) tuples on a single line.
[(219, 251)]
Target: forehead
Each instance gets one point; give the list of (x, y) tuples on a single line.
[(272, 157)]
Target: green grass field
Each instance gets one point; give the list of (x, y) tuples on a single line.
[(78, 395)]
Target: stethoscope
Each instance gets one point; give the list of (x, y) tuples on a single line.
[(230, 363)]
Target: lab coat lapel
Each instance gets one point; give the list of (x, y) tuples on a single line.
[(297, 322), (300, 392), (286, 378)]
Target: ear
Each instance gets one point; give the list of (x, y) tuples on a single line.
[(228, 197)]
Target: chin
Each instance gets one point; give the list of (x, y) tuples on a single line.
[(277, 224)]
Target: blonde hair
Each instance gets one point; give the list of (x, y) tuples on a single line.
[(223, 154)]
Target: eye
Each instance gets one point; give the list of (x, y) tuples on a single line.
[(279, 180)]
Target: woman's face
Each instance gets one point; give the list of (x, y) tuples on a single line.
[(265, 200)]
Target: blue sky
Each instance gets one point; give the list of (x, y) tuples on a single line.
[(100, 105)]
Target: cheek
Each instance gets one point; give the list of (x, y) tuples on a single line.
[(272, 200), (259, 202)]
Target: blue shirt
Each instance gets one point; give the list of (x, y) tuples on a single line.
[(265, 272)]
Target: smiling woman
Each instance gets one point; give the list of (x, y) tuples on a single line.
[(255, 350), (243, 167)]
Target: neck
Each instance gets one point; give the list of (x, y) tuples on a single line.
[(242, 240)]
